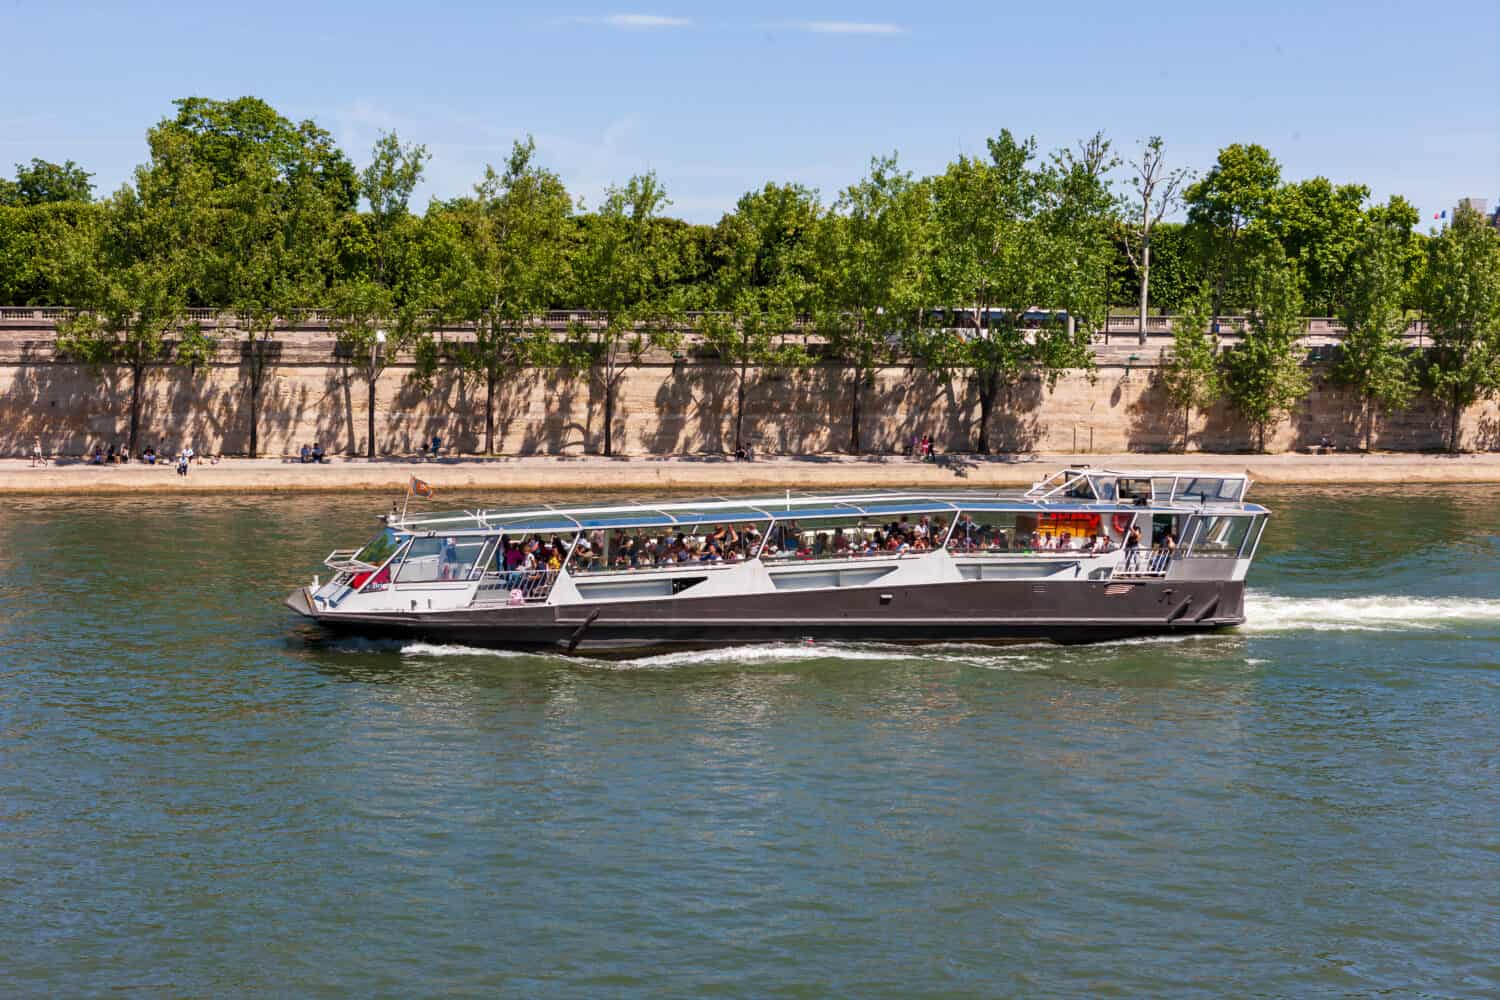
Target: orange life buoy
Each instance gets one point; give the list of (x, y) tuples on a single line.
[(1122, 523)]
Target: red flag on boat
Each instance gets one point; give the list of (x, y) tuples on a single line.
[(417, 488)]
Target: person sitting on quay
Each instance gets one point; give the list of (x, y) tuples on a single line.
[(98, 457), (305, 455), (184, 457), (149, 455), (318, 453)]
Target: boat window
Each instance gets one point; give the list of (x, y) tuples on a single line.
[(666, 546), (851, 536), (378, 549), (1209, 489), (1220, 536), (439, 558)]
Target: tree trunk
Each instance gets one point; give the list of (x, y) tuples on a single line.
[(256, 373), (490, 378), (1369, 425), (609, 417), (989, 391), (1457, 413), (1145, 285), (854, 410), (1187, 426), (137, 372), (370, 417), (739, 408)]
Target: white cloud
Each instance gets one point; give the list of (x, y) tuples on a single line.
[(851, 28), (634, 21)]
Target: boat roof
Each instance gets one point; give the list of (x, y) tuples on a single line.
[(1173, 495)]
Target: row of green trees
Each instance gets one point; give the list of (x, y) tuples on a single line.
[(240, 209), (1263, 377)]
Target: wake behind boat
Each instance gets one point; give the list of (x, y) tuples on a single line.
[(1084, 555)]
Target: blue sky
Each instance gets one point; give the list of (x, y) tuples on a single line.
[(1404, 97)]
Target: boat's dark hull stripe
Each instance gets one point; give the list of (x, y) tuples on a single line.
[(973, 611)]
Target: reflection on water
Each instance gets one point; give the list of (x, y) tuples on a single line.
[(201, 795)]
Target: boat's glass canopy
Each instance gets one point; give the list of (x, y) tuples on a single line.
[(1081, 493)]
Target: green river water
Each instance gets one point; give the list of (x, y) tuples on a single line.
[(201, 796)]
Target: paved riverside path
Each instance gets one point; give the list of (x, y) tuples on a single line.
[(704, 474)]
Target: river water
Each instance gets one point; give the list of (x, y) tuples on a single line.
[(200, 797)]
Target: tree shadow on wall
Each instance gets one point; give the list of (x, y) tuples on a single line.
[(1487, 434), (695, 410), (1016, 424), (1327, 411), (798, 411), (558, 431)]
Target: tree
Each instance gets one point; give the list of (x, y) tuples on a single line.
[(762, 257), (1319, 225), (1263, 374), (379, 313), (625, 266), (387, 184), (363, 313), (1374, 360), (870, 252), (278, 240), (125, 274), (1157, 191), (1031, 241), (511, 264), (1192, 376), (1461, 295), (224, 137), (1221, 205), (44, 183), (254, 199)]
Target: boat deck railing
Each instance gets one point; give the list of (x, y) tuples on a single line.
[(1139, 563), (343, 561), (521, 586)]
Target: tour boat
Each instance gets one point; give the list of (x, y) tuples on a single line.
[(1084, 555)]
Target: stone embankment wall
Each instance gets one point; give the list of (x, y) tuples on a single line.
[(664, 408)]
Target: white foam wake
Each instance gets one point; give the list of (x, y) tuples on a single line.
[(972, 654), (1377, 613)]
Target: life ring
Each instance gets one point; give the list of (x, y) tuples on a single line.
[(1122, 523)]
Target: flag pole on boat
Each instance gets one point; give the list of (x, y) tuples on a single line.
[(415, 487)]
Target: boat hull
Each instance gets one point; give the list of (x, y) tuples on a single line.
[(994, 611)]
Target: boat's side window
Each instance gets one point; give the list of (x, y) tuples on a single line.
[(439, 558), (378, 549), (987, 531), (1217, 536)]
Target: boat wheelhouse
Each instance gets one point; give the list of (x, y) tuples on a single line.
[(1084, 555)]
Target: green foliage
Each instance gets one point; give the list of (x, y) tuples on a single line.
[(1461, 296), (870, 255), (1010, 236), (762, 262), (1193, 376), (510, 262), (33, 244), (1374, 360), (124, 269), (1264, 374), (225, 138), (627, 266), (44, 183), (1319, 226), (1223, 204)]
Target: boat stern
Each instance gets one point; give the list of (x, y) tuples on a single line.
[(299, 602)]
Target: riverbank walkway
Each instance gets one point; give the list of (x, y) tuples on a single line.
[(712, 474)]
